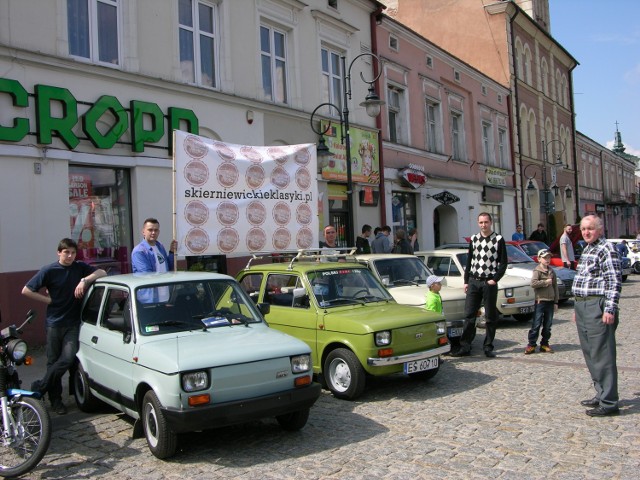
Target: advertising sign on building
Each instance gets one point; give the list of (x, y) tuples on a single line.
[(496, 176), (365, 158), (241, 199)]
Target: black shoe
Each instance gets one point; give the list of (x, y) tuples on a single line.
[(37, 387), (603, 412), (490, 353), (461, 353), (592, 402), (58, 407)]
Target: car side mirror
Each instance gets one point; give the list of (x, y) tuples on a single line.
[(264, 308)]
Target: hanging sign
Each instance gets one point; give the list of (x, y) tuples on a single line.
[(414, 178), (445, 198)]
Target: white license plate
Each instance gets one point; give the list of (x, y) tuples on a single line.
[(421, 365), (530, 309), (455, 332)]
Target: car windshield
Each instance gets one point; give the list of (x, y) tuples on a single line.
[(396, 272), (515, 255), (194, 305), (532, 248), (344, 286)]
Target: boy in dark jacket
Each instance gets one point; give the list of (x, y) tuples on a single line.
[(545, 283)]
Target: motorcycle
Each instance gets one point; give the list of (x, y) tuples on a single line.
[(25, 427)]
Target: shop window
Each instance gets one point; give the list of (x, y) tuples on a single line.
[(100, 216), (403, 211)]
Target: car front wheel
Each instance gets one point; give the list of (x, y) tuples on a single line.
[(636, 267), (293, 421), (344, 375), (161, 440)]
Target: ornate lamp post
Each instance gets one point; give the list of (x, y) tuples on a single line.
[(372, 104), (543, 168)]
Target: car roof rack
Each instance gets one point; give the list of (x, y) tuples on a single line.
[(307, 255)]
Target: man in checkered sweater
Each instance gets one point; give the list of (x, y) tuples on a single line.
[(486, 264)]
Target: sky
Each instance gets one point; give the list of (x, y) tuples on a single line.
[(604, 37)]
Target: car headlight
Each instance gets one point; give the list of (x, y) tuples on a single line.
[(17, 350), (441, 328), (383, 338), (194, 381), (508, 292), (301, 363)]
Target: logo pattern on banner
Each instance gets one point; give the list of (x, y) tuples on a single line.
[(241, 199)]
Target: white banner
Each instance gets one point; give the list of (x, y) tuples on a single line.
[(240, 199)]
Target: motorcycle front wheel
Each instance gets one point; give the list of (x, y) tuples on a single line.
[(26, 440)]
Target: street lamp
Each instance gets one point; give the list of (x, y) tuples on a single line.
[(372, 104), (543, 168)]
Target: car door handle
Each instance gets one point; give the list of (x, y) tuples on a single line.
[(94, 339)]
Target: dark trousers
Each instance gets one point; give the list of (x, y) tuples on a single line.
[(543, 317), (598, 342), (479, 292), (62, 346)]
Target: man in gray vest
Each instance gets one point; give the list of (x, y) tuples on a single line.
[(486, 264)]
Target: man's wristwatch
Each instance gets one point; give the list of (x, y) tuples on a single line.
[(83, 280)]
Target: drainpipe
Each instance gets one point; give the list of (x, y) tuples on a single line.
[(375, 17), (574, 149)]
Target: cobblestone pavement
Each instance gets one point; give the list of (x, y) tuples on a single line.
[(513, 417)]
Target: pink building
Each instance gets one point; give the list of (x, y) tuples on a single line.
[(445, 140)]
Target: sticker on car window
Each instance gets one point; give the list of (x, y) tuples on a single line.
[(215, 321), (151, 328)]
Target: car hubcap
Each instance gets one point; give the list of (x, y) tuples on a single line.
[(340, 375)]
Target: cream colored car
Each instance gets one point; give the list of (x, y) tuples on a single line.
[(515, 295)]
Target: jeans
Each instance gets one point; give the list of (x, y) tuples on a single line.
[(543, 317), (62, 346), (479, 291)]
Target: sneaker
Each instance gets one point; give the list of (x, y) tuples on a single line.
[(546, 349), (58, 407), (529, 350)]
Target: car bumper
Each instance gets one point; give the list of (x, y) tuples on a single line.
[(241, 411), (411, 357)]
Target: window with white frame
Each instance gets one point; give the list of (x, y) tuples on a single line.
[(198, 42), (395, 98), (273, 58), (457, 136), (92, 29), (433, 126), (503, 148), (331, 79), (487, 144)]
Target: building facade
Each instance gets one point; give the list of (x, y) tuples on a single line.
[(88, 106), (445, 135), (510, 42)]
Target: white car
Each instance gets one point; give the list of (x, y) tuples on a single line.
[(515, 295), (405, 276), (633, 266)]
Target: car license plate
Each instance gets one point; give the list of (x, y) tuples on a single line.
[(454, 332), (527, 309), (421, 365)]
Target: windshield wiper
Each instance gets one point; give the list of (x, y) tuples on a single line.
[(404, 281), (169, 323)]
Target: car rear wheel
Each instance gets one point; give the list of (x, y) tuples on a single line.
[(85, 400), (344, 375), (161, 440), (293, 421), (523, 317)]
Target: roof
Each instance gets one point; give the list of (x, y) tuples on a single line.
[(143, 279)]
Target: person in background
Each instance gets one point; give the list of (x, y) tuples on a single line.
[(329, 237), (539, 235), (382, 244), (413, 239), (401, 244), (433, 300), (66, 282), (545, 284), (566, 247), (362, 241), (596, 290), (517, 235), (486, 265), (622, 249), (150, 255)]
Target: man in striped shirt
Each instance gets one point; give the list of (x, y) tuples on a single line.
[(596, 289)]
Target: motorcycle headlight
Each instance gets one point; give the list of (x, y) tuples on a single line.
[(17, 349), (194, 381)]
